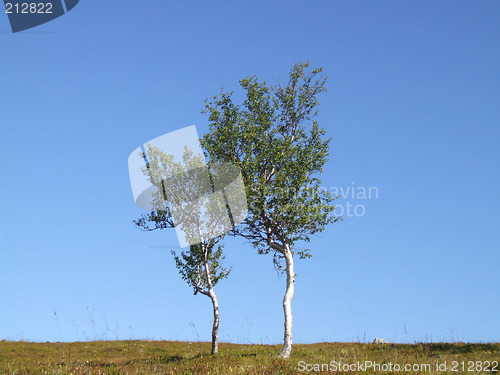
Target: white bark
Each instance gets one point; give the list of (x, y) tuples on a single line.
[(215, 327), (215, 303), (287, 302)]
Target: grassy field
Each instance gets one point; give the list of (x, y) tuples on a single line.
[(170, 357)]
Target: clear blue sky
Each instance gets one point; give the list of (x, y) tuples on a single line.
[(413, 109)]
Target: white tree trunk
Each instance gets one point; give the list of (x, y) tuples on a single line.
[(215, 326), (287, 302), (213, 297)]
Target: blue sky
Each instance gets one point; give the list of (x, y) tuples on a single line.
[(412, 107)]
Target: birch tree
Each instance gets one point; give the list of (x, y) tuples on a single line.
[(180, 190), (274, 138)]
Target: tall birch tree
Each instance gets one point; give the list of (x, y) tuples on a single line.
[(273, 136)]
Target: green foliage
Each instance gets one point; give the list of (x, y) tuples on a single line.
[(181, 183), (275, 140), (190, 265)]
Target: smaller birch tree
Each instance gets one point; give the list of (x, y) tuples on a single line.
[(183, 185), (201, 267)]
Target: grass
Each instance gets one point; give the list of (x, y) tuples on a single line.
[(173, 357)]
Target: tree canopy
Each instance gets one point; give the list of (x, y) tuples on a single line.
[(280, 157)]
